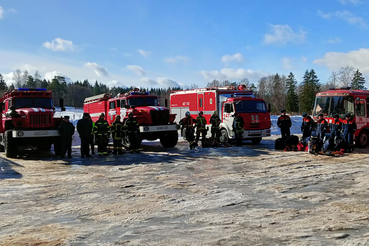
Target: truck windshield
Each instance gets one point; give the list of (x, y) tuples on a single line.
[(143, 101), (329, 106), (250, 107), (29, 102)]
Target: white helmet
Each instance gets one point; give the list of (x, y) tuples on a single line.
[(188, 113)]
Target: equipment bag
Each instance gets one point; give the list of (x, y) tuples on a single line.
[(292, 140), (279, 144)]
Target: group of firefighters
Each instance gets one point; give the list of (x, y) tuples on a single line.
[(99, 132), (339, 138), (189, 124)]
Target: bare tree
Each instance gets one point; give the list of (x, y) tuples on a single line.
[(24, 77), (345, 75), (18, 78), (37, 78)]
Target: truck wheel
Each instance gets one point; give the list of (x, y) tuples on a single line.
[(169, 140), (10, 145), (57, 146), (256, 140), (224, 136), (363, 139)]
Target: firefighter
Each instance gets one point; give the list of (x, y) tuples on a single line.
[(133, 132), (336, 127), (66, 131), (349, 128), (117, 132), (187, 123), (284, 122), (200, 127), (92, 137), (84, 128), (307, 125), (321, 128), (215, 130), (238, 128), (101, 131)]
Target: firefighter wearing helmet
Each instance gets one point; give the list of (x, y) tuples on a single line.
[(200, 127), (101, 131), (133, 133), (215, 130), (117, 132), (187, 124), (349, 128)]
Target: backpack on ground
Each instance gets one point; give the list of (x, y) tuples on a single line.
[(279, 144)]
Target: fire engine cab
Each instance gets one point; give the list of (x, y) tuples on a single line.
[(27, 121), (342, 101), (226, 101), (155, 122)]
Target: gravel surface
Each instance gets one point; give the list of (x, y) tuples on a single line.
[(248, 195)]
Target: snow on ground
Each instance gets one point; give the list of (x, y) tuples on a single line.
[(76, 114)]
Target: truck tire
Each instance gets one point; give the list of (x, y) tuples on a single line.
[(57, 146), (169, 140), (10, 145), (256, 140), (224, 138), (363, 139)]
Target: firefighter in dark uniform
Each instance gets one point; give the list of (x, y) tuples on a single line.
[(321, 128), (200, 127), (66, 131), (307, 125), (101, 131), (133, 132), (336, 127), (187, 123), (117, 132), (284, 122), (238, 128), (84, 128), (349, 128), (215, 130), (92, 137)]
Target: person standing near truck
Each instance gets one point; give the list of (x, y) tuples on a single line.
[(349, 128), (84, 128), (284, 122), (215, 130), (200, 127), (187, 124), (101, 131), (117, 132), (133, 131), (66, 131), (238, 128)]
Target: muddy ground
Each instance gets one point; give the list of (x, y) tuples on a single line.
[(248, 195)]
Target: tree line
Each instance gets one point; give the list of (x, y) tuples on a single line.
[(280, 91)]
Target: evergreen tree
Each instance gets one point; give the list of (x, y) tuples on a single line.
[(292, 101), (358, 81), (309, 87), (31, 83), (3, 86)]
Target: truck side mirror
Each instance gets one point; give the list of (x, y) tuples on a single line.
[(166, 102), (61, 103)]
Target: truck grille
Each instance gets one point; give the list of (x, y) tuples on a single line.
[(160, 117), (40, 120)]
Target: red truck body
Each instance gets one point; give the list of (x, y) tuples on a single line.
[(27, 121), (225, 101), (155, 122), (342, 101)]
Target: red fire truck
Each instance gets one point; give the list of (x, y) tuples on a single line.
[(225, 101), (155, 121), (342, 101), (27, 121)]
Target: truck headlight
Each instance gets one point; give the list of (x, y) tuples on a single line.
[(146, 128)]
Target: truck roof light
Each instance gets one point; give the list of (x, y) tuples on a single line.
[(139, 93), (339, 88), (31, 89), (249, 94)]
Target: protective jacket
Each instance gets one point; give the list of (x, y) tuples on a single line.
[(336, 127), (131, 125), (238, 124), (284, 121), (84, 128), (200, 123), (187, 122), (306, 126), (117, 130), (214, 121), (321, 127)]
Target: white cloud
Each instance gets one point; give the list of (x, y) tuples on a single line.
[(12, 11), (50, 75), (282, 34), (334, 40), (59, 44), (9, 78), (359, 59), (136, 69), (161, 82), (1, 12), (346, 16), (176, 59), (99, 70), (287, 63), (344, 2), (232, 74), (236, 57), (144, 53)]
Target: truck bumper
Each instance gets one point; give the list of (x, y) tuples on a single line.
[(256, 133), (34, 134), (160, 128)]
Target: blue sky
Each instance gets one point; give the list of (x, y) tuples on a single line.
[(170, 42)]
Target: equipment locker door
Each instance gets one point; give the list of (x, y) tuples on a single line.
[(200, 102)]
